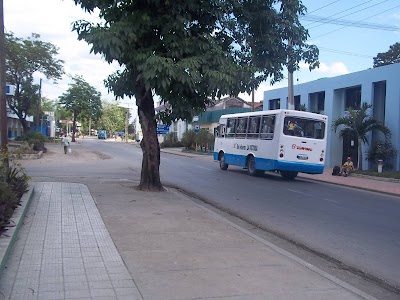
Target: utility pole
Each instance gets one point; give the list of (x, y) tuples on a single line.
[(3, 99), (90, 126), (290, 78), (252, 100), (39, 106), (126, 124)]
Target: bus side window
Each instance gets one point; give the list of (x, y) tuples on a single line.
[(230, 128), (254, 127), (267, 127), (241, 128)]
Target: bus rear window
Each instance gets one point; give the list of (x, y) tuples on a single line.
[(307, 128)]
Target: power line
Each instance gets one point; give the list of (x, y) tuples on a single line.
[(345, 52), (356, 22), (327, 20), (352, 13), (322, 7), (343, 11)]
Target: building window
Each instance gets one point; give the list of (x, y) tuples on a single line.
[(317, 102), (321, 101), (353, 98), (275, 104), (297, 102)]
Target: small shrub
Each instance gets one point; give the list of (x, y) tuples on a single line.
[(189, 139), (17, 180), (171, 140), (24, 148), (34, 138), (8, 202), (383, 150), (205, 140), (13, 184)]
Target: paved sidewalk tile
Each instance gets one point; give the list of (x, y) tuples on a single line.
[(64, 250)]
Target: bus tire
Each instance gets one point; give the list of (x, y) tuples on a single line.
[(289, 174), (222, 164), (251, 167)]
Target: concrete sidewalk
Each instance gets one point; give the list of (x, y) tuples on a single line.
[(163, 246)]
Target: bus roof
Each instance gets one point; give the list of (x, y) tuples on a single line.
[(287, 112)]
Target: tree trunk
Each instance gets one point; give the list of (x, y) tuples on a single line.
[(24, 125), (150, 174), (360, 156), (74, 127)]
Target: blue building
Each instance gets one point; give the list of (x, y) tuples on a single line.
[(379, 87)]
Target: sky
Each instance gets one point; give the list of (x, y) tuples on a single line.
[(344, 48)]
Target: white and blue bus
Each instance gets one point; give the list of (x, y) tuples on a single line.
[(287, 141)]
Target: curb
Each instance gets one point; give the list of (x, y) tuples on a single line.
[(27, 156), (7, 241), (376, 178), (352, 186)]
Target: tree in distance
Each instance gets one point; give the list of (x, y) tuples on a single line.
[(24, 57), (113, 118), (392, 56), (79, 98), (190, 53)]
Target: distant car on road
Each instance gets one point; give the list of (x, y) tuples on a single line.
[(120, 133), (102, 134)]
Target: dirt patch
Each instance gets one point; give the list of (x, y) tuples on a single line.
[(77, 154)]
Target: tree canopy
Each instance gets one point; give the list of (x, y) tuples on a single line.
[(113, 117), (81, 97), (392, 56), (24, 57), (191, 52)]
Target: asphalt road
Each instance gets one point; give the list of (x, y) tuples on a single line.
[(359, 228)]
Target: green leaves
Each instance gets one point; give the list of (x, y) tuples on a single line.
[(81, 96), (187, 52), (392, 56), (24, 57)]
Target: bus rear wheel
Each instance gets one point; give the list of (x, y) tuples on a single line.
[(289, 174), (251, 167), (222, 164)]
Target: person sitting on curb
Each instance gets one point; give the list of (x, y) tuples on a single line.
[(347, 167)]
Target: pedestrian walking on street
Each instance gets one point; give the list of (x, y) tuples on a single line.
[(65, 143)]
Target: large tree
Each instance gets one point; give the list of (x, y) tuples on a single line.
[(24, 57), (358, 123), (392, 56), (191, 52), (79, 98), (113, 117)]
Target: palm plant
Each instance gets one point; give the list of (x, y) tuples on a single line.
[(358, 123)]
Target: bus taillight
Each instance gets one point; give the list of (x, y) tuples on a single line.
[(281, 155), (321, 159)]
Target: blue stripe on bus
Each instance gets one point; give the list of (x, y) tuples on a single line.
[(272, 164)]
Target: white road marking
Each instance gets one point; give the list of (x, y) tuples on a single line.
[(204, 168), (311, 195)]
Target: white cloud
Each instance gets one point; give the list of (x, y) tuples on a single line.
[(52, 19), (333, 69)]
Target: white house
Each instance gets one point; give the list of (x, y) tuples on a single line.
[(331, 96)]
